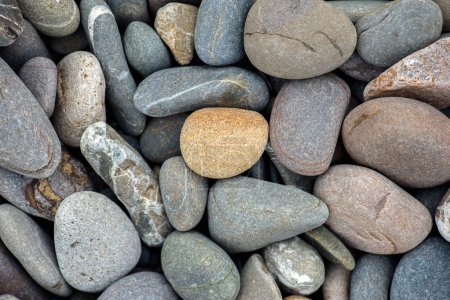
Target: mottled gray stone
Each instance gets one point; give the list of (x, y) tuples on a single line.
[(296, 265), (197, 268), (33, 248), (241, 207), (184, 193), (171, 91), (11, 22), (219, 31), (423, 273), (40, 77), (52, 18), (161, 138), (355, 9), (77, 41), (397, 29), (131, 179), (104, 38), (28, 143), (127, 11), (144, 49), (371, 279), (96, 244), (140, 286), (359, 69), (431, 197)]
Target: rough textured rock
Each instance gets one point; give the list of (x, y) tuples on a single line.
[(296, 265), (298, 39), (337, 283), (11, 22), (33, 248), (127, 11), (414, 154), (65, 45), (35, 150), (355, 9), (397, 29), (41, 197), (422, 75), (175, 24), (140, 286), (305, 122), (52, 18), (184, 194), (96, 244), (372, 277), (81, 96), (371, 213), (161, 138), (104, 38), (131, 179), (423, 272), (359, 69), (223, 142), (445, 8), (442, 216), (242, 206), (219, 31), (257, 282), (171, 91), (197, 268), (144, 49), (40, 77)]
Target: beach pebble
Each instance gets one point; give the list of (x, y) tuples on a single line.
[(144, 49), (184, 194), (423, 75), (442, 216), (337, 283), (298, 39), (415, 154), (11, 22), (33, 248), (397, 29), (65, 45), (296, 266), (176, 90), (305, 122), (241, 207), (96, 244), (127, 11), (197, 268), (223, 142), (355, 9), (81, 96), (359, 69), (175, 24)]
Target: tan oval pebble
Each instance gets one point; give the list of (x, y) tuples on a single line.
[(406, 140), (80, 96), (337, 283), (442, 216), (371, 213), (296, 297), (223, 142)]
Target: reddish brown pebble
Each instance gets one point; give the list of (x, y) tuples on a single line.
[(337, 283)]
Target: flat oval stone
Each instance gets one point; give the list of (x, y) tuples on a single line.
[(242, 206), (422, 75), (105, 40), (405, 139), (197, 268), (41, 197), (442, 216), (432, 258), (223, 142), (372, 277), (33, 248), (40, 77), (175, 24), (359, 69), (11, 22), (371, 213), (142, 285), (257, 282), (35, 150), (184, 193), (131, 179), (355, 9), (398, 29), (81, 96), (305, 122), (219, 31), (445, 8), (337, 283), (298, 39), (127, 11), (161, 138), (296, 266), (96, 244), (65, 45), (52, 18), (144, 49)]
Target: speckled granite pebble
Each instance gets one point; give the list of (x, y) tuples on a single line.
[(359, 69), (355, 9), (442, 216), (127, 11), (337, 283), (65, 45), (11, 22)]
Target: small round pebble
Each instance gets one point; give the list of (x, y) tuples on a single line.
[(11, 22), (337, 283), (442, 216)]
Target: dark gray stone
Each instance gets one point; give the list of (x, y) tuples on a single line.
[(171, 91), (359, 69), (398, 29), (104, 38), (127, 11), (77, 41), (355, 9), (11, 22)]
